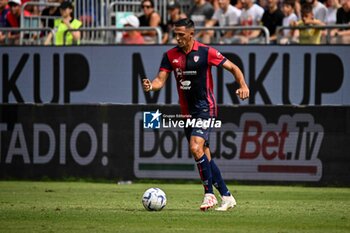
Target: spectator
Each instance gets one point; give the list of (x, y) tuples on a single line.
[(64, 23), (134, 36), (331, 18), (200, 13), (251, 16), (272, 18), (343, 13), (332, 7), (3, 12), (226, 15), (310, 35), (318, 9), (33, 9), (174, 13), (50, 13), (4, 8), (150, 18), (343, 17), (13, 20), (288, 19)]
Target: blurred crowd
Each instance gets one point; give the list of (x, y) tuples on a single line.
[(297, 20)]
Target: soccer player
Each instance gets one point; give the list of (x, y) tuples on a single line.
[(191, 62)]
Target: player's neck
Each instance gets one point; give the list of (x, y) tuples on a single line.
[(189, 47)]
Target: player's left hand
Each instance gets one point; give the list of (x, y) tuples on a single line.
[(147, 85), (243, 93)]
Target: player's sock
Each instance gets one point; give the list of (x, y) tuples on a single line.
[(218, 182), (205, 173)]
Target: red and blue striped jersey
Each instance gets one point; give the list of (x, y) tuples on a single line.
[(194, 78)]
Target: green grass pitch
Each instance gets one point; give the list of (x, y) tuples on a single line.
[(102, 207)]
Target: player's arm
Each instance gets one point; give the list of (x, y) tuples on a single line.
[(157, 83), (243, 91)]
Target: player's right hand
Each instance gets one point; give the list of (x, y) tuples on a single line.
[(243, 93), (147, 85)]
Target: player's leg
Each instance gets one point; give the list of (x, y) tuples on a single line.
[(196, 147), (203, 165), (196, 139), (228, 201), (218, 181)]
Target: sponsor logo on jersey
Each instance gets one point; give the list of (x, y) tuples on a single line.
[(185, 84), (189, 72), (200, 131)]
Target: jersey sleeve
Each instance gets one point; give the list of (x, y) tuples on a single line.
[(165, 65), (215, 58)]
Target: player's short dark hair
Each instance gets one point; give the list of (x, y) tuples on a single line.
[(188, 23)]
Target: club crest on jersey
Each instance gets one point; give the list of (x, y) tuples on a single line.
[(196, 58), (175, 61)]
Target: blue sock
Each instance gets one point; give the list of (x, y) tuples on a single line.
[(217, 180), (205, 174)]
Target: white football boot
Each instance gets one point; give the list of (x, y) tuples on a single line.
[(209, 201), (227, 202)]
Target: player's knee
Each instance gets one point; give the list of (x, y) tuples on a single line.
[(196, 150)]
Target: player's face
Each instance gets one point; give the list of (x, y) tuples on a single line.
[(183, 36)]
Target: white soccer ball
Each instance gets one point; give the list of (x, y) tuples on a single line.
[(154, 199)]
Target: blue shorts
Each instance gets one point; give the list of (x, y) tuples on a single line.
[(200, 132)]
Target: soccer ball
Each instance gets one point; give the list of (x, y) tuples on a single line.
[(154, 199)]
